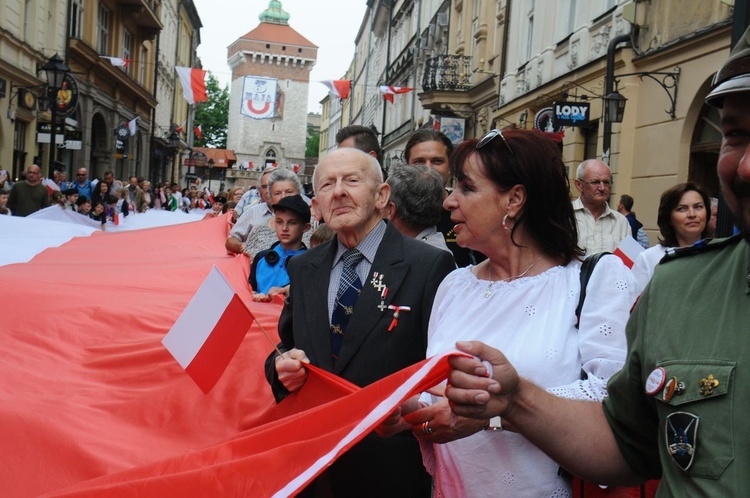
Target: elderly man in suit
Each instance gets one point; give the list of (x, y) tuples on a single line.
[(337, 317)]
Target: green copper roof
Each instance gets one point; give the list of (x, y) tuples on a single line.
[(274, 14)]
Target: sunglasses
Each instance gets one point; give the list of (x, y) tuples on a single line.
[(490, 136)]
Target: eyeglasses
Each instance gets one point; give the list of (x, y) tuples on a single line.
[(490, 135), (81, 174), (595, 183)]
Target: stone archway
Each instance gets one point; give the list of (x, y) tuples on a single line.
[(100, 153), (270, 158)]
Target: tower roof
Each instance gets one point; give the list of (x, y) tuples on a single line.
[(274, 14)]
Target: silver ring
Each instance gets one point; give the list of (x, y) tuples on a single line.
[(426, 428)]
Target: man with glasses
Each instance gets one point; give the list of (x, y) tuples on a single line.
[(600, 228), (254, 215), (83, 184), (28, 196)]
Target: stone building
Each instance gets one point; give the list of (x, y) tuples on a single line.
[(268, 95)]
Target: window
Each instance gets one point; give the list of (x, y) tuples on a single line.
[(572, 16), (76, 18), (127, 47), (530, 31), (590, 140), (142, 67), (270, 158), (19, 149), (103, 27)]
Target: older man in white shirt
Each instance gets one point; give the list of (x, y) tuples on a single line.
[(600, 228)]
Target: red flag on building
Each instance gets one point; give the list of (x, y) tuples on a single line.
[(198, 131), (339, 88), (389, 91), (193, 83)]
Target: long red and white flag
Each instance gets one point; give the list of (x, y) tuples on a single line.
[(193, 83), (340, 88), (628, 251), (117, 61), (389, 91), (209, 331)]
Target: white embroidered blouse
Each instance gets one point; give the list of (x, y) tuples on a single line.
[(532, 321)]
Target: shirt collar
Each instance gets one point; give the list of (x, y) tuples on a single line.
[(367, 246)]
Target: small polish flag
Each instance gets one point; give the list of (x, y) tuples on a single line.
[(132, 126), (179, 129), (340, 88), (193, 83), (116, 219), (628, 251), (117, 61), (389, 91), (198, 131), (209, 331)]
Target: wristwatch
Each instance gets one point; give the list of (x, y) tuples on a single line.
[(494, 424)]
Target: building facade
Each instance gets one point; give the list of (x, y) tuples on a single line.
[(268, 95), (115, 52), (483, 64)]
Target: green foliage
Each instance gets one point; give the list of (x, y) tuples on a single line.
[(213, 116), (312, 144)]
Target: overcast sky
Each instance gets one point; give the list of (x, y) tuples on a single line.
[(329, 24)]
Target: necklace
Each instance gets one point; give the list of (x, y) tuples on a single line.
[(488, 291)]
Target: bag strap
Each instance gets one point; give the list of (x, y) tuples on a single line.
[(587, 269)]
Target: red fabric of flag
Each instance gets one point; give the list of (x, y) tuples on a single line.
[(340, 88), (198, 131)]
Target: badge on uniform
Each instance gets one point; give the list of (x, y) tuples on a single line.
[(681, 431)]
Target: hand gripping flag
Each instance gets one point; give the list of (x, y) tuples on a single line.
[(193, 84), (340, 88), (389, 91), (209, 331)]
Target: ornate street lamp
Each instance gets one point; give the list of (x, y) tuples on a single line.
[(210, 172), (614, 106), (55, 70)]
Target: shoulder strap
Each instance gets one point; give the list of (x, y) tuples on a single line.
[(587, 269)]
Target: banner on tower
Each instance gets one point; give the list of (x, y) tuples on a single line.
[(259, 97)]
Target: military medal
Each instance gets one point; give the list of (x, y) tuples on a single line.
[(655, 381)]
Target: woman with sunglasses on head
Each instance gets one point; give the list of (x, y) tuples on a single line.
[(684, 213), (512, 204)]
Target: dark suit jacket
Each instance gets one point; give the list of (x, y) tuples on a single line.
[(412, 271)]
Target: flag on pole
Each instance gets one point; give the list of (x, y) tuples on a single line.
[(198, 131), (389, 91), (117, 61), (209, 331), (193, 83), (180, 128), (132, 126), (340, 88), (628, 251)]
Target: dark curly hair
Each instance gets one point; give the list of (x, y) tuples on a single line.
[(536, 163)]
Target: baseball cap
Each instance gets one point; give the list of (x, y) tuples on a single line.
[(734, 75), (294, 203)]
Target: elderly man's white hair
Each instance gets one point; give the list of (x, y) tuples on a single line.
[(582, 167), (373, 164)]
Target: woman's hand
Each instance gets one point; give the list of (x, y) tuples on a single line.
[(277, 291), (259, 297), (395, 423), (292, 374), (437, 424)]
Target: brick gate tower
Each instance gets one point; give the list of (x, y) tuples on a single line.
[(268, 97)]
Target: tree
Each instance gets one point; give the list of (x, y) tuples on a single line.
[(312, 144), (213, 116)]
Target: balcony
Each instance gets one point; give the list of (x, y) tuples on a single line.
[(145, 13), (450, 83), (447, 72)]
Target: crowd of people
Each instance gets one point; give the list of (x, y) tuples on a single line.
[(560, 379)]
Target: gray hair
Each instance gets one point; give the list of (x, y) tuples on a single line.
[(417, 192), (284, 175)]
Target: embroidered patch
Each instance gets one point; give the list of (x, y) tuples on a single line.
[(681, 431)]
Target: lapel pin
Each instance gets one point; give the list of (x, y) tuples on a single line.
[(396, 314)]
